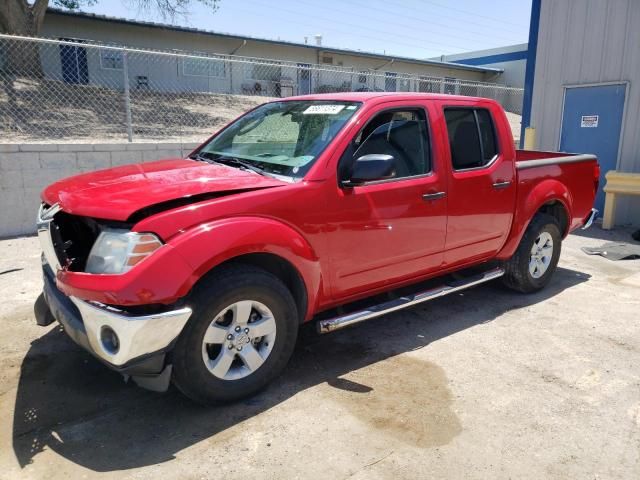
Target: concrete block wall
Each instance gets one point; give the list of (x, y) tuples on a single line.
[(25, 169)]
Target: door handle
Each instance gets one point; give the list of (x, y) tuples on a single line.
[(499, 185), (433, 196)]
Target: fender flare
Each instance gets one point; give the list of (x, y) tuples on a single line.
[(545, 192), (211, 244)]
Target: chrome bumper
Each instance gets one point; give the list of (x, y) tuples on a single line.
[(592, 216), (135, 335)]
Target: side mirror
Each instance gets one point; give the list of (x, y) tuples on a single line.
[(369, 168)]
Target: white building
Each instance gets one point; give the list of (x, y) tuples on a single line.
[(286, 66)]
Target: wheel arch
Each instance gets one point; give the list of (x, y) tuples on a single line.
[(280, 268), (549, 196), (558, 210), (262, 242)]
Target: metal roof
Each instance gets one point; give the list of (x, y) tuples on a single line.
[(322, 48)]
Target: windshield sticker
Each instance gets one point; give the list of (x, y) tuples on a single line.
[(323, 109)]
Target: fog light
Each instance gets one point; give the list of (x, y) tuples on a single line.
[(110, 340)]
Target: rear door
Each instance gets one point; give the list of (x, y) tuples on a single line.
[(392, 230), (482, 190)]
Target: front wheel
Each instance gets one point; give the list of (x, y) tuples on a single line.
[(241, 334), (532, 266)]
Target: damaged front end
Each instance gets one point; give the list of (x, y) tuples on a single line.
[(133, 341)]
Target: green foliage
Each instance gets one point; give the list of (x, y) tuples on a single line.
[(73, 4)]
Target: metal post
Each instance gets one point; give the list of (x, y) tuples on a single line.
[(127, 96)]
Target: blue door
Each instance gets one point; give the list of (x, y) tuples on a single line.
[(591, 123), (304, 78), (73, 61)]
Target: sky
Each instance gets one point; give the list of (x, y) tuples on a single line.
[(410, 28)]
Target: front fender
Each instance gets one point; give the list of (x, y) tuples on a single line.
[(529, 203), (211, 244)]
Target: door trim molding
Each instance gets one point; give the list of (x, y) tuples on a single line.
[(626, 84)]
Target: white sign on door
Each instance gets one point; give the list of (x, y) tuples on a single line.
[(589, 121)]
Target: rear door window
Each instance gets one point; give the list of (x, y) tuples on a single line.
[(472, 139)]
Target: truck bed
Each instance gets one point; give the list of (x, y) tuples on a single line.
[(562, 175)]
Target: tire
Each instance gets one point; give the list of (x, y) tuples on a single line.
[(518, 269), (226, 296)]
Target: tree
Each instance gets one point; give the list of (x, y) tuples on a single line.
[(24, 17), (21, 17)]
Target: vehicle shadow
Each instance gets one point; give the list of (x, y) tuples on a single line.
[(618, 234), (70, 403)]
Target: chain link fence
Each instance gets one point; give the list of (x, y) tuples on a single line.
[(54, 90)]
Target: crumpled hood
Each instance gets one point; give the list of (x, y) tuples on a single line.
[(117, 193)]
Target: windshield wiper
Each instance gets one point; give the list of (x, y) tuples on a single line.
[(200, 158), (240, 163), (225, 160)]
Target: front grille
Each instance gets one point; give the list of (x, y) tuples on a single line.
[(73, 237)]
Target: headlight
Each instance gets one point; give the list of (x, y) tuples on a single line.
[(116, 251)]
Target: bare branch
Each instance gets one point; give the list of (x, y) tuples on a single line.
[(170, 9)]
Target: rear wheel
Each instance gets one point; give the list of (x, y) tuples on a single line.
[(240, 336), (535, 260)]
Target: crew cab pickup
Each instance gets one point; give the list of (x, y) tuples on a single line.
[(331, 209)]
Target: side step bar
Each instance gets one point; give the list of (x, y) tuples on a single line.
[(336, 323)]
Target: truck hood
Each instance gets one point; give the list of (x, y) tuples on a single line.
[(117, 193)]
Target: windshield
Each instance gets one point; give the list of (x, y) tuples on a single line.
[(282, 138)]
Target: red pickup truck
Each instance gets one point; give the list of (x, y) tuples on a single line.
[(329, 208)]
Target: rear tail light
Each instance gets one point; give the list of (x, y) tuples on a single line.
[(596, 177)]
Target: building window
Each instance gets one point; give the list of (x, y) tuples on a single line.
[(327, 60), (269, 73), (204, 67), (111, 59)]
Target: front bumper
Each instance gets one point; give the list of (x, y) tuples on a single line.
[(142, 340), (139, 336)]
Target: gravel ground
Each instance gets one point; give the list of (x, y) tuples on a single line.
[(485, 384), (91, 113)]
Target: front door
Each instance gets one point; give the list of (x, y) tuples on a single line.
[(388, 231), (591, 123), (482, 189)]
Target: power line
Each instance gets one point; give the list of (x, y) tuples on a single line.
[(494, 19), (412, 27), (351, 25)]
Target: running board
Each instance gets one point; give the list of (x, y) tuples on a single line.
[(336, 323)]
